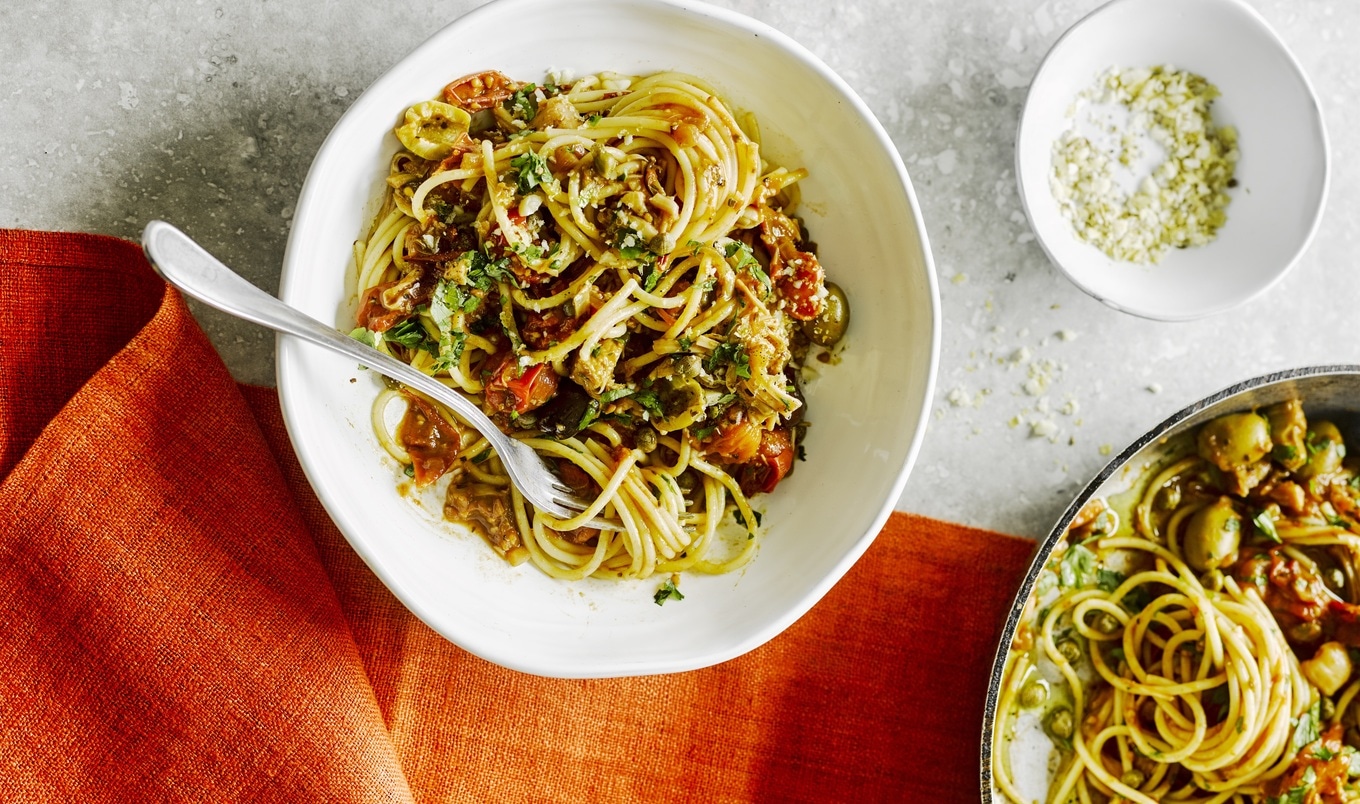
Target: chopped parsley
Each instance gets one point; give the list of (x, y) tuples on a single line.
[(409, 470), (411, 334), (1266, 526), (741, 520), (1108, 580), (649, 401), (730, 353), (685, 342), (615, 394), (593, 119), (447, 299), (523, 105), (745, 261), (1075, 568), (668, 591), (630, 244), (652, 276), (1299, 793), (365, 336), (531, 172), (1306, 731), (1284, 452)]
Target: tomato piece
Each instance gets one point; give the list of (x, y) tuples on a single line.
[(431, 440), (480, 90), (772, 461), (510, 389), (737, 441), (544, 329), (801, 283)]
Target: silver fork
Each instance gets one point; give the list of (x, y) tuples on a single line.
[(189, 267)]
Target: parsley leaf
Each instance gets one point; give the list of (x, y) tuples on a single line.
[(668, 591), (532, 171), (630, 244), (650, 402), (365, 336), (652, 276), (1075, 568), (1307, 729), (593, 119), (411, 334), (733, 353), (523, 105), (746, 261), (1266, 526), (614, 394), (1108, 580), (741, 520)]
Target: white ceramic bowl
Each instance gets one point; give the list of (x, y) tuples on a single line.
[(868, 413), (1282, 174)]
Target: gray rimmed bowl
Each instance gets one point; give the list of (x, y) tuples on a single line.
[(1330, 391)]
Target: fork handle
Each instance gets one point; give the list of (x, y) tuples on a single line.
[(186, 265)]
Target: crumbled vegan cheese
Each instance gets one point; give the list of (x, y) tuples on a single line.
[(1183, 201)]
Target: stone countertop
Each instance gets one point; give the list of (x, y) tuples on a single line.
[(209, 113)]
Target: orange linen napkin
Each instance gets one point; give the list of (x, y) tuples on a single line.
[(180, 621)]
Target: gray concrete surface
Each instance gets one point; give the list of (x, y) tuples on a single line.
[(208, 114)]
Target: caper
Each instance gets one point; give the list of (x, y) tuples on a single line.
[(1212, 536), (1059, 723), (1034, 693), (1104, 622), (646, 439), (1325, 448), (1069, 650), (1133, 778), (1235, 440), (830, 324)]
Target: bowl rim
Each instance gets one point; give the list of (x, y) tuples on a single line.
[(1045, 65), (1046, 546), (290, 350)]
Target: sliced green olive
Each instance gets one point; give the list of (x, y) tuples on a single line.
[(829, 326), (1325, 449), (1212, 536), (1235, 440), (432, 129)]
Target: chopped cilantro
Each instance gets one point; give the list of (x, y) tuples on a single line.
[(668, 591), (532, 171)]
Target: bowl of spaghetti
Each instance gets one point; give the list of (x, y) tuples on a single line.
[(635, 240), (1190, 629)]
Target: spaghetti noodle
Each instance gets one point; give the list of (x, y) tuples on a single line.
[(609, 268), (1199, 648)]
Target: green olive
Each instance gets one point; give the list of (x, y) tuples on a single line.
[(1325, 449), (1059, 723), (1287, 428), (1234, 440), (1212, 536), (830, 324)]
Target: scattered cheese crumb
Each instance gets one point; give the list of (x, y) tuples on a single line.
[(1066, 335), (1183, 201), (1106, 449), (959, 398), (1155, 388)]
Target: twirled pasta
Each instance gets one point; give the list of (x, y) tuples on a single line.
[(1201, 650), (611, 270)]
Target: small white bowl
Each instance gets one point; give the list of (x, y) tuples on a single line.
[(1282, 174), (868, 414)]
